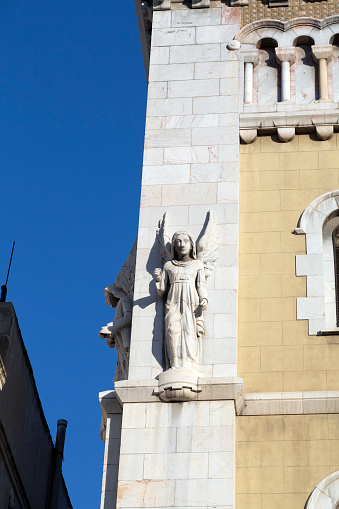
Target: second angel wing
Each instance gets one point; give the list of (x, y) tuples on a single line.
[(208, 244), (164, 240)]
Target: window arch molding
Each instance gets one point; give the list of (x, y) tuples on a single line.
[(317, 223), (325, 494), (286, 32)]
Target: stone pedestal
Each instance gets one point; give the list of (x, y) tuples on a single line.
[(178, 385), (170, 454), (177, 455)]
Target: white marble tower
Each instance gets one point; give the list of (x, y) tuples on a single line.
[(170, 430)]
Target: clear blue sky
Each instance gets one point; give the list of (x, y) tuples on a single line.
[(72, 112)]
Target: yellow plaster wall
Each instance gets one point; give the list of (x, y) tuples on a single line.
[(277, 182), (280, 459)]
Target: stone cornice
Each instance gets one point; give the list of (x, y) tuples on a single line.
[(291, 403), (147, 391), (322, 122), (261, 403), (109, 403)]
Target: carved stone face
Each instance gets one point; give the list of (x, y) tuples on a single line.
[(183, 245)]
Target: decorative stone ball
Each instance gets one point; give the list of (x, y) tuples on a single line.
[(233, 45)]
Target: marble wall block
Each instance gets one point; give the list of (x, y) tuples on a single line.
[(187, 54), (193, 155), (157, 90), (184, 455), (160, 55), (193, 88), (163, 107), (173, 36), (153, 175), (156, 138), (205, 17), (171, 72)]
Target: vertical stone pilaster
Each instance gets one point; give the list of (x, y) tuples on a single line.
[(111, 435), (181, 454), (191, 166), (177, 455)]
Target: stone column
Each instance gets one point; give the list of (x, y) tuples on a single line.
[(250, 61), (248, 93), (285, 57), (322, 54)]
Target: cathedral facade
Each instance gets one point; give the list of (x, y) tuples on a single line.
[(226, 391)]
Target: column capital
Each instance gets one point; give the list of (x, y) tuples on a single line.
[(322, 51), (250, 56), (285, 54)]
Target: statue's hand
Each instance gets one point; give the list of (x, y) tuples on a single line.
[(203, 304), (110, 342), (105, 332), (157, 274)]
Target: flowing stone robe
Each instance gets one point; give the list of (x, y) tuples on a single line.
[(122, 338), (184, 324)]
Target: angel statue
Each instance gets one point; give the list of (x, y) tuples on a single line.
[(183, 281), (119, 295)]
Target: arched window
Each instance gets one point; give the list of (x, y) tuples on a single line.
[(306, 71), (267, 73), (333, 67), (320, 223), (335, 40), (325, 494), (335, 240)]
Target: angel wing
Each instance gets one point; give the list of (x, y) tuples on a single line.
[(208, 244), (164, 240), (126, 275)]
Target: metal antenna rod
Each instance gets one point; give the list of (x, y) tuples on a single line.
[(10, 263), (4, 287)]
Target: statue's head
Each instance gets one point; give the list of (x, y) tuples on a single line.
[(113, 294), (183, 244)]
